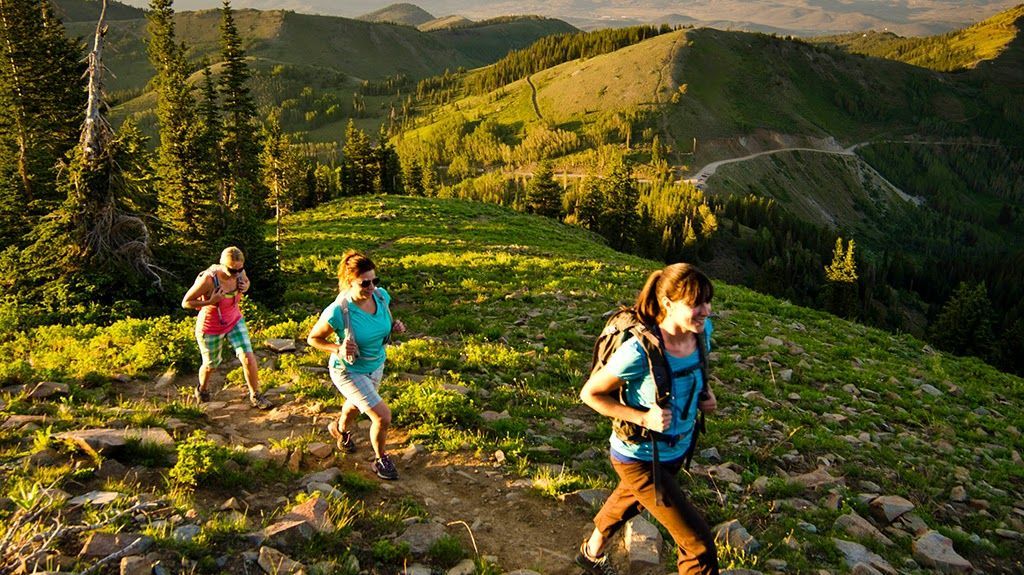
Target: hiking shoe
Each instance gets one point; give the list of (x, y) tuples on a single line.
[(201, 395), (601, 566), (384, 468), (259, 401), (342, 439)]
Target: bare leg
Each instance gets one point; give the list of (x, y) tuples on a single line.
[(250, 368), (349, 414), (205, 371), (380, 421)]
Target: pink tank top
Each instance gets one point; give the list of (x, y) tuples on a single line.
[(221, 318)]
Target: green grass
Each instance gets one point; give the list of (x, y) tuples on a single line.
[(513, 281)]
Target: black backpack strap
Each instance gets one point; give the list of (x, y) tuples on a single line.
[(699, 425), (650, 339)]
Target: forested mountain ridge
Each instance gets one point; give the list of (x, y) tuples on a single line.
[(407, 14), (922, 168)]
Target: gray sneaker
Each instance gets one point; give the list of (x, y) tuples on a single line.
[(259, 401), (384, 468)]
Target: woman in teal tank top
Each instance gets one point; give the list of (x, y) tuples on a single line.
[(354, 329)]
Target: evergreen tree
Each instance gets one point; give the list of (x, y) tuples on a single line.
[(186, 198), (412, 177), (244, 194), (618, 221), (42, 97), (544, 194), (358, 168), (239, 136), (207, 140), (389, 169), (429, 183), (965, 324), (284, 173), (590, 204)]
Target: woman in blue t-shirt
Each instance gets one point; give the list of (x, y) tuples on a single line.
[(676, 301), (354, 329)]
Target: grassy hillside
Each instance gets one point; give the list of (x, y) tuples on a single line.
[(405, 14), (89, 11), (489, 40), (502, 310), (958, 50)]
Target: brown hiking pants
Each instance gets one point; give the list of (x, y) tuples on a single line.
[(635, 492)]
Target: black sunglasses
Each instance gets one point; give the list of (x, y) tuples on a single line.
[(235, 271), (366, 283)]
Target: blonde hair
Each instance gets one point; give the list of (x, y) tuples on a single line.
[(231, 254), (677, 282), (353, 264)]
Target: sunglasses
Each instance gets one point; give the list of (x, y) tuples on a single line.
[(367, 283), (235, 271)]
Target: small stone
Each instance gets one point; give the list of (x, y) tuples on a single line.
[(320, 450), (588, 498), (958, 494), (643, 544), (492, 416), (931, 390), (786, 375), (166, 378), (499, 457), (295, 461), (710, 454), (772, 341), (421, 536), (273, 562), (855, 553), (45, 389), (888, 507), (933, 549), (725, 473), (329, 475), (818, 478), (464, 567), (412, 451), (856, 526), (736, 535), (136, 565), (281, 345), (95, 498), (186, 532)]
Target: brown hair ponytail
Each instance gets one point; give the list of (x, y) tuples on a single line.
[(353, 264), (677, 282)]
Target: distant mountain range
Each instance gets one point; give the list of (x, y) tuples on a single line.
[(801, 17)]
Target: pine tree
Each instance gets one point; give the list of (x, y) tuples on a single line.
[(93, 248), (284, 173), (618, 222), (388, 178), (965, 324), (358, 166), (244, 194), (239, 136), (42, 97), (186, 199), (590, 204), (412, 177), (543, 194), (429, 183)]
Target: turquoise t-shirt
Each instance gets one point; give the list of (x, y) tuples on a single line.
[(629, 363), (370, 332)]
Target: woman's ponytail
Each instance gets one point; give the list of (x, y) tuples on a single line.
[(647, 305)]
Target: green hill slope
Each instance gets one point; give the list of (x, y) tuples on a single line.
[(89, 11), (405, 14), (489, 40), (958, 50), (502, 309)]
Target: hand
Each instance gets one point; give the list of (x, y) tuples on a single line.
[(213, 298), (351, 350), (708, 402), (397, 327), (242, 283), (657, 419)]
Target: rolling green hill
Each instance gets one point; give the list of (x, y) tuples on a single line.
[(89, 11), (817, 417), (405, 14), (489, 40), (959, 50)]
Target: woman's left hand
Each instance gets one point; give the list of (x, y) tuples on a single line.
[(708, 403), (398, 327)]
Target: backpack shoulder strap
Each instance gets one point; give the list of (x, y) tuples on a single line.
[(650, 339), (343, 306)]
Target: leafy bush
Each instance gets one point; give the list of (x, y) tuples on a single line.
[(428, 403), (446, 552), (202, 460), (389, 552)]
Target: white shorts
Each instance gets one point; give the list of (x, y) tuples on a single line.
[(359, 388)]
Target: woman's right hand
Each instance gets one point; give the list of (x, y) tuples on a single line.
[(350, 349), (213, 298), (657, 419)]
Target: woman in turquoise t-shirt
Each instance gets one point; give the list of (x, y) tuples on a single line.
[(354, 329), (676, 301)]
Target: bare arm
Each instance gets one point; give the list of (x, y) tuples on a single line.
[(600, 394), (200, 294), (319, 337)]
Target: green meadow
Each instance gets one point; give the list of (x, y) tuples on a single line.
[(502, 310)]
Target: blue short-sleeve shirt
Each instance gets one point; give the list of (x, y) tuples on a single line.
[(370, 331), (629, 363)]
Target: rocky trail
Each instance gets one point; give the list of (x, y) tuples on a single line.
[(510, 522)]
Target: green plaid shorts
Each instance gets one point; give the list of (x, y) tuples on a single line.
[(210, 346)]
